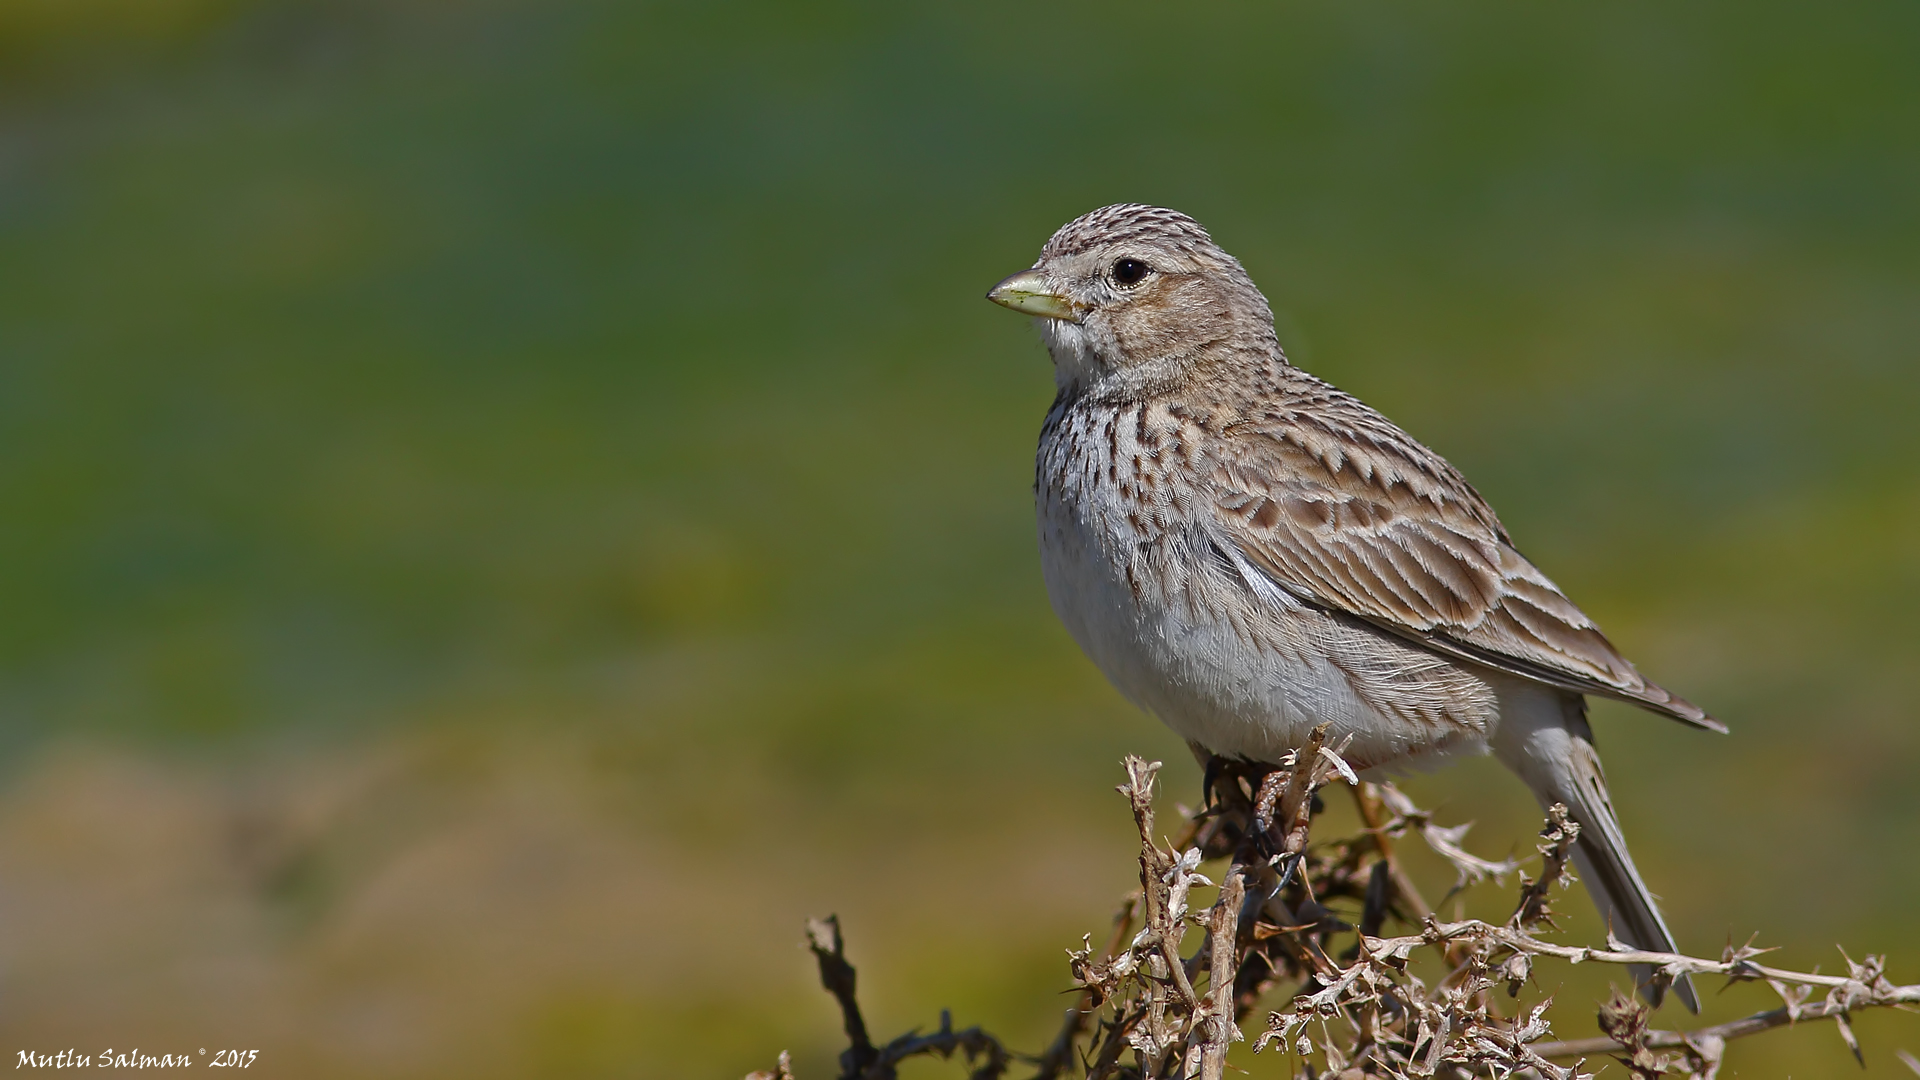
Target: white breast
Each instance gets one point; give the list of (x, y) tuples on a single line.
[(1222, 656)]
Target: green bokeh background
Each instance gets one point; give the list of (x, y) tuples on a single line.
[(510, 506)]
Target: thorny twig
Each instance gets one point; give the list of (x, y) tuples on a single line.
[(1368, 799), (1145, 1012), (1250, 928), (864, 1061), (1059, 1055), (1560, 833), (782, 1071), (1445, 842), (837, 976)]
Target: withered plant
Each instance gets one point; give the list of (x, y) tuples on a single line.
[(1172, 987)]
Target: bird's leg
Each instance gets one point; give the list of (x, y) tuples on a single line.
[(1212, 768)]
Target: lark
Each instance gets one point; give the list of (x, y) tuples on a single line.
[(1248, 552)]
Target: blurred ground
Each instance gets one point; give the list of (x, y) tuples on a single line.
[(512, 506)]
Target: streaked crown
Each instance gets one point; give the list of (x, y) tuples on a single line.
[(1123, 222)]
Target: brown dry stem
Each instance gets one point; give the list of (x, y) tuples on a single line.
[(864, 1061), (1147, 1008)]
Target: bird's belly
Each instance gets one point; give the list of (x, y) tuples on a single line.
[(1243, 675)]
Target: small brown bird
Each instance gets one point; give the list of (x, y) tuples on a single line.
[(1248, 552)]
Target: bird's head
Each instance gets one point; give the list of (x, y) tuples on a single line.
[(1133, 297)]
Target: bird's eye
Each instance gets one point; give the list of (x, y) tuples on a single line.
[(1130, 272)]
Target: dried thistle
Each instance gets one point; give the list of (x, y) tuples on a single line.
[(1153, 1006)]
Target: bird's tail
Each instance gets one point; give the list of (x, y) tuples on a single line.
[(1559, 763)]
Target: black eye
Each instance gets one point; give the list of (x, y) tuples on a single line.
[(1130, 272)]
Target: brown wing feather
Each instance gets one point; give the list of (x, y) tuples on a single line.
[(1346, 511)]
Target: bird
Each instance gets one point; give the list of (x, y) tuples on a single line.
[(1248, 552)]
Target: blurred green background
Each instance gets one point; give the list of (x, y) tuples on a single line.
[(510, 506)]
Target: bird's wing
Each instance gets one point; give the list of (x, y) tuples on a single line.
[(1345, 511)]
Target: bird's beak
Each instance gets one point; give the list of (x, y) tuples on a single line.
[(1027, 291)]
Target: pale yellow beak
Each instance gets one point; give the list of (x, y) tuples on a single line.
[(1027, 291)]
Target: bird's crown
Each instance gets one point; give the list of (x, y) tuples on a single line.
[(1123, 222)]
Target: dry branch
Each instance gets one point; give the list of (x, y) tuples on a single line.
[(1152, 1005), (864, 1061)]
